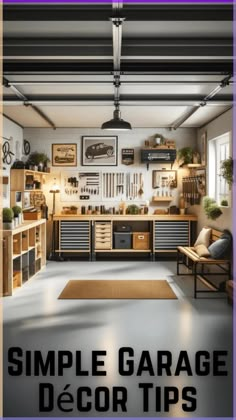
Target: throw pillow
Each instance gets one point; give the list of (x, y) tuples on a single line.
[(202, 251), (221, 247), (203, 237)]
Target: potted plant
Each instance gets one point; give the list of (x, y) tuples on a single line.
[(38, 161), (185, 156), (17, 210), (227, 170), (158, 139), (211, 208), (132, 209), (224, 203), (7, 217)]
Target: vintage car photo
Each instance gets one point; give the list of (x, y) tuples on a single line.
[(99, 151)]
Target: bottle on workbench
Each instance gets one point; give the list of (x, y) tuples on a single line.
[(122, 207)]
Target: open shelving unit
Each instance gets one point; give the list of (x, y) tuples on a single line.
[(24, 254)]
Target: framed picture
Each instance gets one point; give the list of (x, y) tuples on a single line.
[(99, 150), (164, 179), (64, 154), (204, 149)]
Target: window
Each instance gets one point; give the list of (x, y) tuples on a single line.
[(219, 149)]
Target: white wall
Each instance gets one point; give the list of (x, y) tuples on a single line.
[(41, 140), (13, 130), (219, 126)]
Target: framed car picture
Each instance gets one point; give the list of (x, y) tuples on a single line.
[(64, 154), (99, 150)]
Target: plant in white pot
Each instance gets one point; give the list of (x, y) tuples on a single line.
[(7, 217), (17, 210)]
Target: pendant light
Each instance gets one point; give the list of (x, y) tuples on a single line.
[(116, 123)]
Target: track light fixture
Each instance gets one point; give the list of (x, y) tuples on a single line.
[(116, 123)]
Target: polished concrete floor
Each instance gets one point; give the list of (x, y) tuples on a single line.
[(34, 319)]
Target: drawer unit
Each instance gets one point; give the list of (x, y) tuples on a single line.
[(141, 240), (103, 235), (168, 235), (74, 235)]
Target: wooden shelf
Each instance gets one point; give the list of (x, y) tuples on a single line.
[(195, 165), (162, 199), (21, 263)]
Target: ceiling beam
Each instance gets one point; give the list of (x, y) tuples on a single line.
[(26, 103), (167, 47), (225, 82), (105, 67), (133, 12), (134, 99)]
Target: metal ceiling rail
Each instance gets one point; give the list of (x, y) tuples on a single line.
[(204, 102), (26, 102), (133, 12), (108, 82)]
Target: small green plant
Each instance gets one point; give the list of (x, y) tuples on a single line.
[(224, 203), (227, 170), (211, 208), (132, 209), (185, 155), (36, 158), (7, 215), (16, 210)]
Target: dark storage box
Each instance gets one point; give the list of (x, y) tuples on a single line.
[(122, 228), (122, 240)]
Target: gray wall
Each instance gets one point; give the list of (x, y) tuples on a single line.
[(41, 140)]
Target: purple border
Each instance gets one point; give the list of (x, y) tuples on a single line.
[(123, 1), (233, 2)]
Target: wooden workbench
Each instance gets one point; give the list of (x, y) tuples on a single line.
[(95, 233)]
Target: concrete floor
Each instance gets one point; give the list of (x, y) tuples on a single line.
[(35, 319)]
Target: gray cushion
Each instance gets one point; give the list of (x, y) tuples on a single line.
[(220, 248)]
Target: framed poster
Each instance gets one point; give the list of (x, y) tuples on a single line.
[(204, 149), (64, 154), (99, 150), (127, 156)]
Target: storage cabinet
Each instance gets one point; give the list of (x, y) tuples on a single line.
[(74, 236), (24, 254), (170, 234)]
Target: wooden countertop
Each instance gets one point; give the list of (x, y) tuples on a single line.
[(138, 217)]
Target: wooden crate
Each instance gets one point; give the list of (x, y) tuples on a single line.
[(30, 215), (141, 240)]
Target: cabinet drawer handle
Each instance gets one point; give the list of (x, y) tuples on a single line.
[(140, 237)]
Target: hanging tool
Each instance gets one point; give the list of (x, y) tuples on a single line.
[(6, 150)]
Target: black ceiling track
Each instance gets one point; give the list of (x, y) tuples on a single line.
[(127, 67), (91, 12)]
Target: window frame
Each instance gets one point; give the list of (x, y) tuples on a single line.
[(213, 183)]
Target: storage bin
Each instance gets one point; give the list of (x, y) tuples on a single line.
[(32, 215), (122, 240), (141, 240), (122, 228)]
